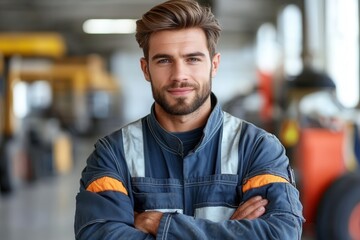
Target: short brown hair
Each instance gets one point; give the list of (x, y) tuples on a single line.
[(177, 14)]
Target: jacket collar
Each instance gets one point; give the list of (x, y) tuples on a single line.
[(171, 143)]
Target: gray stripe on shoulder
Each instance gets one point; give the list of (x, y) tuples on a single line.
[(230, 144), (134, 148)]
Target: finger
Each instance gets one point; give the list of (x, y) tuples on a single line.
[(250, 211), (250, 202), (253, 208), (258, 212)]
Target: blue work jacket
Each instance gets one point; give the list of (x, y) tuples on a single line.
[(141, 167)]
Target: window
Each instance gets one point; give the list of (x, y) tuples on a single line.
[(342, 49), (290, 37), (20, 93), (267, 50)]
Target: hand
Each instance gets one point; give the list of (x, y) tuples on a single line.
[(148, 222), (251, 209)]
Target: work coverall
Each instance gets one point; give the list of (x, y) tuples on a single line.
[(141, 167)]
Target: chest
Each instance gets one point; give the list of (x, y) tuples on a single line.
[(213, 197)]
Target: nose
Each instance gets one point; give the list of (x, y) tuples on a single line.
[(179, 71)]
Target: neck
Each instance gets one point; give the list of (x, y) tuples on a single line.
[(183, 123)]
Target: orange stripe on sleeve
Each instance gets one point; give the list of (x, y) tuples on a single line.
[(107, 184), (262, 180)]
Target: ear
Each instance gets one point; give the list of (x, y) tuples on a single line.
[(145, 68), (215, 64)]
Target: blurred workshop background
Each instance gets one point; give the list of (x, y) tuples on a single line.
[(70, 73)]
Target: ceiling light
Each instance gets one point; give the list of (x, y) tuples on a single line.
[(109, 26)]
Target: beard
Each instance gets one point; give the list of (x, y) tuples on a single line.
[(181, 105)]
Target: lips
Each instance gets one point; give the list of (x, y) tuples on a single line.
[(180, 91)]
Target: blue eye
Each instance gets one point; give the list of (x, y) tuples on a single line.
[(164, 60), (193, 59)]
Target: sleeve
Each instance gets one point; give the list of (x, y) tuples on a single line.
[(104, 209), (268, 175)]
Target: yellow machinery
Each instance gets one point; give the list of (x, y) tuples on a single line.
[(70, 79), (49, 45)]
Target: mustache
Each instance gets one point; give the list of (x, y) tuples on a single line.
[(181, 85)]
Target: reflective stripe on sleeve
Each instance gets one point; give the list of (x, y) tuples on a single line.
[(262, 180), (107, 184), (134, 148), (230, 144)]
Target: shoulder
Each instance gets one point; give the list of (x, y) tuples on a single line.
[(250, 134), (117, 135), (245, 126)]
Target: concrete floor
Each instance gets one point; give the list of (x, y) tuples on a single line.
[(44, 209)]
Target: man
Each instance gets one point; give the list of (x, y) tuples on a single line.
[(188, 170)]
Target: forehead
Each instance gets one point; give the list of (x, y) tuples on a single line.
[(168, 41)]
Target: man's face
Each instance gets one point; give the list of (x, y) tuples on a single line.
[(179, 69)]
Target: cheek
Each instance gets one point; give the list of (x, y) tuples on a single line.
[(157, 77), (204, 74), (158, 80), (158, 73)]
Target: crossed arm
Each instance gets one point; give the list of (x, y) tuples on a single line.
[(148, 222), (110, 214)]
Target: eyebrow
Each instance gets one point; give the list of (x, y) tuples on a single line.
[(194, 54)]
